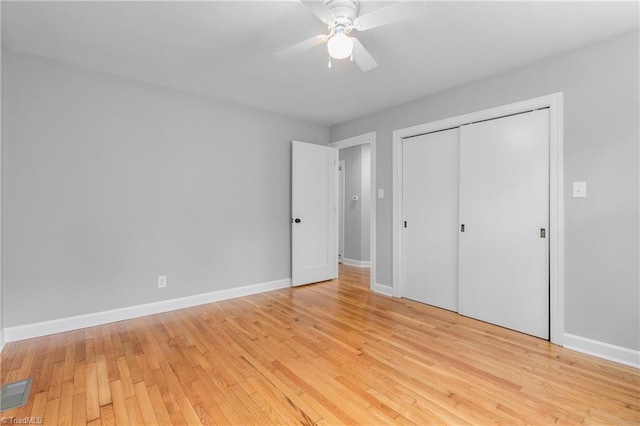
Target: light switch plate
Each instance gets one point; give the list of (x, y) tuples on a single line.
[(579, 189)]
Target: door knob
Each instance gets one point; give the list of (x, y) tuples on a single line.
[(297, 220)]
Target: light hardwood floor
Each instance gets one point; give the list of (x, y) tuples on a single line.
[(328, 353)]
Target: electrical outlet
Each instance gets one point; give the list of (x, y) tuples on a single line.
[(162, 281)]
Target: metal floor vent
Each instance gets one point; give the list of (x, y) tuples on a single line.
[(16, 394)]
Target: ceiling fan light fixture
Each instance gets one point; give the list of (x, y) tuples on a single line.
[(340, 46)]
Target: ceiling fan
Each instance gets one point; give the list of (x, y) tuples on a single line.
[(342, 19)]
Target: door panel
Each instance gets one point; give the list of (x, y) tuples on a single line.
[(430, 206), (314, 226), (504, 204)]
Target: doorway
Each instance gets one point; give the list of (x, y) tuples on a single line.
[(356, 203)]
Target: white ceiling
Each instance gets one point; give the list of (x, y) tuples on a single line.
[(225, 49)]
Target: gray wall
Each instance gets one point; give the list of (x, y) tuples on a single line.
[(601, 134), (109, 183), (356, 213), (352, 174)]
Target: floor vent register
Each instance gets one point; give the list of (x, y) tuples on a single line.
[(14, 395)]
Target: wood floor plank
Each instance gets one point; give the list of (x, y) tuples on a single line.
[(90, 348), (134, 412), (79, 414), (45, 373), (328, 353), (69, 361), (178, 419), (146, 407), (186, 409), (79, 378), (168, 397), (39, 407), (213, 398), (161, 413), (132, 363), (120, 407), (125, 378), (107, 415), (145, 370), (275, 408), (51, 411), (92, 391), (104, 384), (55, 382), (65, 413)]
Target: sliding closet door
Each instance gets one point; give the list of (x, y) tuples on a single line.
[(430, 207), (504, 207)]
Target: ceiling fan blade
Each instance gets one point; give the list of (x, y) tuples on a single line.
[(302, 46), (362, 57), (319, 9), (387, 15)]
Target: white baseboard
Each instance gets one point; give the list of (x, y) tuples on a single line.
[(358, 263), (383, 289), (2, 341), (603, 350), (28, 331)]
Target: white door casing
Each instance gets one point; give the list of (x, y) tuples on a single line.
[(341, 208), (504, 206), (430, 206), (314, 223)]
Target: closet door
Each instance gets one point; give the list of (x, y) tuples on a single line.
[(430, 207), (504, 206)]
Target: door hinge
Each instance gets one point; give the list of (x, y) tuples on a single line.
[(405, 223), (543, 233), (462, 227)]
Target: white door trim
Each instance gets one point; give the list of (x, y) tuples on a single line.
[(341, 189), (369, 138), (554, 102)]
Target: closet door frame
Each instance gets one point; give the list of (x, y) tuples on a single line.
[(556, 204)]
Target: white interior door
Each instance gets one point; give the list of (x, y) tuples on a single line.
[(504, 205), (314, 224), (430, 207), (341, 204)]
